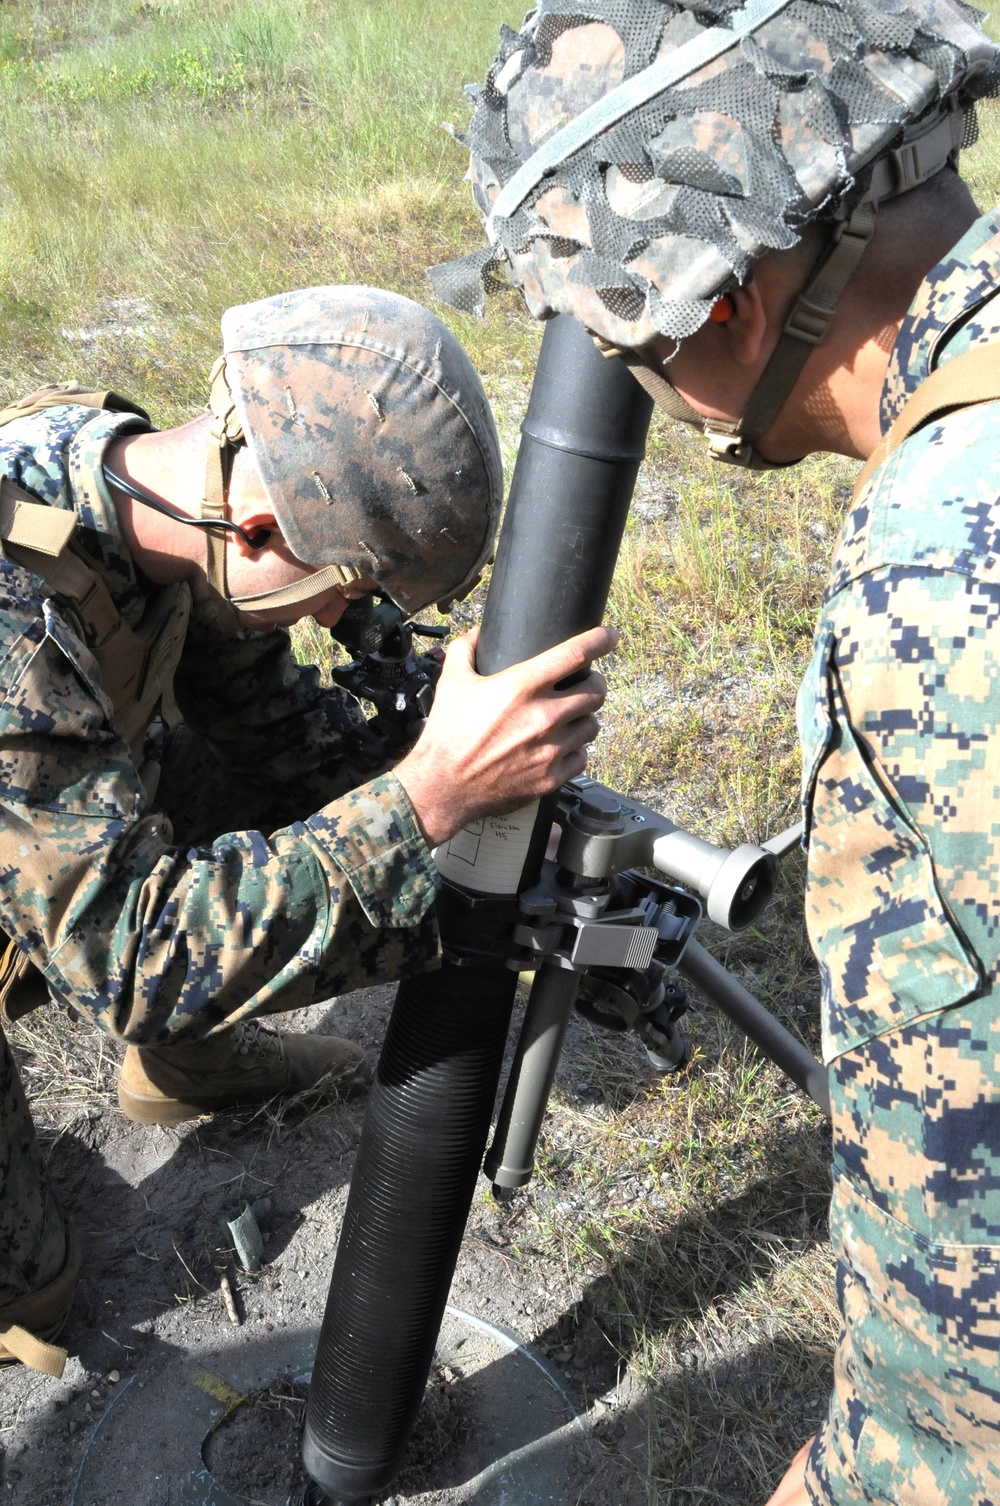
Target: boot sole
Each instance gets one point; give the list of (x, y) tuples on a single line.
[(143, 1108), (148, 1110)]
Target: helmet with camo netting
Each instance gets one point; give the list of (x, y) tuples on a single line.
[(633, 158)]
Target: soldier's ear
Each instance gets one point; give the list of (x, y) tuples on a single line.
[(257, 522), (746, 329), (250, 506)]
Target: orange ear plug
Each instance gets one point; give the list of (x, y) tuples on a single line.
[(722, 309)]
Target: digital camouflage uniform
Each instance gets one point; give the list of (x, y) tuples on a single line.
[(172, 917), (632, 159), (899, 717)]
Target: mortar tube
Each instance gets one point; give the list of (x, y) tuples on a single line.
[(428, 1117)]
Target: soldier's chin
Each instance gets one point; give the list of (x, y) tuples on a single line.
[(326, 609)]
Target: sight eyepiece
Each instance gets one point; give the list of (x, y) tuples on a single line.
[(735, 885)]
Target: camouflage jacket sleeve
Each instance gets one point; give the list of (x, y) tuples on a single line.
[(292, 744), (898, 723), (155, 941)]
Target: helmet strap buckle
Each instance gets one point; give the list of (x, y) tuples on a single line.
[(726, 442)]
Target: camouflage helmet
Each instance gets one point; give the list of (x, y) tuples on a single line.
[(633, 158), (372, 435)]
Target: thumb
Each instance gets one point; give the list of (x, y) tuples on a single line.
[(461, 653)]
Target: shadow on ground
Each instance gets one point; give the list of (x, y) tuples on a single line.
[(689, 1391)]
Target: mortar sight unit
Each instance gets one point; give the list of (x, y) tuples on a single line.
[(388, 671), (598, 929)]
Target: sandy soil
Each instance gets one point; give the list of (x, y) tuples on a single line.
[(150, 1205)]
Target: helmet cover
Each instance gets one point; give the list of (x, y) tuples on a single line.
[(771, 116), (372, 435)]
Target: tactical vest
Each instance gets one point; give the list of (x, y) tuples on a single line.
[(137, 664)]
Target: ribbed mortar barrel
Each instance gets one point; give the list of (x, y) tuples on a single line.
[(429, 1115), (420, 1153)]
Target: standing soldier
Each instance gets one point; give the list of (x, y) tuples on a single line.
[(154, 726), (758, 209)]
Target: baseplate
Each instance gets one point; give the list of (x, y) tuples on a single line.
[(523, 1441)]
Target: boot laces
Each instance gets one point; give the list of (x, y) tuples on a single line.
[(254, 1039)]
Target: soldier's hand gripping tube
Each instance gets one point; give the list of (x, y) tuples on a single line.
[(429, 1113)]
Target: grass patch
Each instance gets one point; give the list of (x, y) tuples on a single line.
[(163, 161), (189, 161)]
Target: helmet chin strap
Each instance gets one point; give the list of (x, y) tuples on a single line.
[(300, 590), (225, 434)]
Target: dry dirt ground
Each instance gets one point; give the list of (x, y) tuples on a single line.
[(150, 1205), (149, 1319)]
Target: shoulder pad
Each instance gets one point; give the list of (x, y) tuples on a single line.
[(58, 394)]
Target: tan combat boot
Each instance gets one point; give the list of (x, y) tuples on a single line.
[(29, 1324), (242, 1066)]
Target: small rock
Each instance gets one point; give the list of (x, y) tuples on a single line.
[(114, 1376), (96, 1394)]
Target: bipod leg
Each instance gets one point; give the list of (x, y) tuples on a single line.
[(777, 1043), (510, 1160)]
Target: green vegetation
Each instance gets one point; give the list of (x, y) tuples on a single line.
[(162, 161)]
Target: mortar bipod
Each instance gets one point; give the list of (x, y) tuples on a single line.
[(602, 938)]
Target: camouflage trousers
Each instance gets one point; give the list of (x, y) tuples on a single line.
[(32, 1233), (201, 802), (899, 719)]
